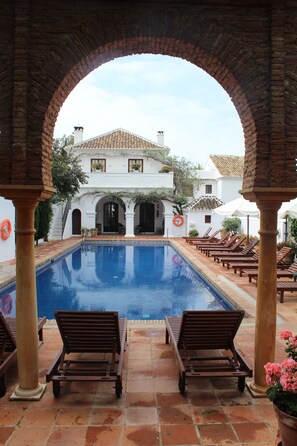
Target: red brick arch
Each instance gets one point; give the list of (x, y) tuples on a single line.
[(250, 50)]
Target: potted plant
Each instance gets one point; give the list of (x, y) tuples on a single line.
[(136, 167), (165, 169), (84, 231), (193, 233), (98, 166), (282, 379), (94, 232)]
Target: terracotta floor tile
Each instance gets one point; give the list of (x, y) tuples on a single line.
[(29, 436), (170, 399), (139, 374), (233, 397), (106, 416), (175, 415), (179, 435), (216, 434), (73, 417), (140, 400), (5, 433), (62, 436), (139, 364), (10, 417), (166, 385), (141, 436), (203, 398), (237, 414), (141, 415), (104, 436), (209, 415), (139, 354), (253, 432), (39, 417), (140, 386), (109, 399)]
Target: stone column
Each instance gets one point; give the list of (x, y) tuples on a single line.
[(168, 224), (26, 305), (25, 198), (268, 202), (129, 224), (265, 329)]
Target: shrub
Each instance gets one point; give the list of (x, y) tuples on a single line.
[(193, 233), (165, 169), (231, 225)]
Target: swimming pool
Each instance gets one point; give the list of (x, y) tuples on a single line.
[(139, 281)]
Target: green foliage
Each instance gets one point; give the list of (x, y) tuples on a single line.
[(165, 169), (67, 178), (193, 233), (184, 176), (293, 228), (43, 218), (66, 170), (231, 224)]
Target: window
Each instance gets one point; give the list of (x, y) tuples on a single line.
[(98, 165), (207, 219), (135, 165), (208, 189)]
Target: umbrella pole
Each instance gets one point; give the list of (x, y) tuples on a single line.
[(247, 228)]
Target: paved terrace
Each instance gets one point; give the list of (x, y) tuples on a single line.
[(151, 412)]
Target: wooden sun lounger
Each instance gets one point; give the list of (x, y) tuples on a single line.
[(93, 348), (205, 236), (223, 247), (212, 239), (281, 287), (291, 272), (8, 347), (247, 251), (282, 253), (197, 333), (234, 248)]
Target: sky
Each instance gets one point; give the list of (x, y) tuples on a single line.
[(147, 93)]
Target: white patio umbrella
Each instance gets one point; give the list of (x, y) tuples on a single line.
[(288, 209), (239, 206)]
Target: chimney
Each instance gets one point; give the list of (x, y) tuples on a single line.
[(78, 134), (160, 137)]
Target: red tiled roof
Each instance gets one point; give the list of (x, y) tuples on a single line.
[(118, 139)]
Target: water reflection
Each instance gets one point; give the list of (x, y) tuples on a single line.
[(140, 282)]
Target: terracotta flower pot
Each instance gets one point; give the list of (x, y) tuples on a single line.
[(287, 428)]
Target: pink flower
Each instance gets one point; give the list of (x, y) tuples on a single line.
[(289, 365), (286, 334), (288, 382)]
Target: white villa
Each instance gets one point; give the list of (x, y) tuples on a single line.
[(120, 165), (219, 183)]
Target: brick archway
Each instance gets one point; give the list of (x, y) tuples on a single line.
[(46, 48)]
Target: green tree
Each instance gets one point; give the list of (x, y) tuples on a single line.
[(231, 224), (67, 178)]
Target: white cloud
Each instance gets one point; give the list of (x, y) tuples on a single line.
[(144, 94)]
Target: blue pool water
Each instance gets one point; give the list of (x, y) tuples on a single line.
[(138, 281)]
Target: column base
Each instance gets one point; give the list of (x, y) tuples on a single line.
[(28, 395), (256, 391), (129, 235)]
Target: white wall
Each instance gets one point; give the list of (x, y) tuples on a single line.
[(7, 247)]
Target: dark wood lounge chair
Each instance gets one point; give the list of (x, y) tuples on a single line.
[(203, 342), (204, 237), (93, 348), (8, 347), (282, 253), (281, 287), (235, 247), (226, 246), (211, 239), (291, 272), (247, 251)]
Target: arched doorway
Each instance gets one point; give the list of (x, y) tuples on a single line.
[(110, 217), (147, 217), (76, 222)]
